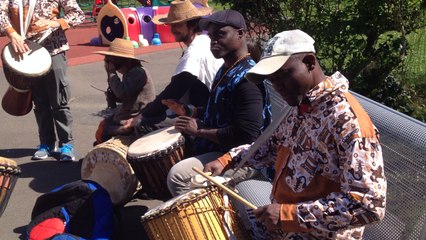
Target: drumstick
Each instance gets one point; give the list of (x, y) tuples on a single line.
[(223, 187), (98, 89)]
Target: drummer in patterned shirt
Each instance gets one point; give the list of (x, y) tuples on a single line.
[(51, 96), (329, 177)]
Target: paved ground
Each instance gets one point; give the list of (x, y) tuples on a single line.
[(18, 137)]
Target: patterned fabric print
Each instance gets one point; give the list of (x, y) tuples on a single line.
[(45, 9), (327, 142), (258, 231), (219, 108)]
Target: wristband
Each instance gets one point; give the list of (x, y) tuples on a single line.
[(189, 109)]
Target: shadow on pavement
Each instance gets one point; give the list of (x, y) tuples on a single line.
[(22, 231), (17, 152), (49, 174), (131, 222)]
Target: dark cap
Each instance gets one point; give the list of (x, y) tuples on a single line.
[(224, 18)]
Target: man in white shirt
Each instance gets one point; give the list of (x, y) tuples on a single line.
[(194, 74)]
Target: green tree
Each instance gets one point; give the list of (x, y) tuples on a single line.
[(365, 40)]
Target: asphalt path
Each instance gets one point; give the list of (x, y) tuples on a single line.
[(19, 138)]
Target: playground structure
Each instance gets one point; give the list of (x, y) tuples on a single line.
[(98, 4), (132, 20), (133, 23)]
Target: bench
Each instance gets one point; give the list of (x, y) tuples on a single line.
[(403, 141)]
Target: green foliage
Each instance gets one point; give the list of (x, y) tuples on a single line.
[(365, 40)]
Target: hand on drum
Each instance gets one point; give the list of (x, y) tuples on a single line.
[(18, 42), (132, 122), (269, 215), (187, 125), (176, 106), (214, 167)]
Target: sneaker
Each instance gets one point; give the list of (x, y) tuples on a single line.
[(67, 153), (42, 152)]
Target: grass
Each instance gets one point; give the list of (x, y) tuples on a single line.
[(414, 74), (415, 62)]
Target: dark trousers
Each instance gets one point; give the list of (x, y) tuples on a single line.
[(51, 109)]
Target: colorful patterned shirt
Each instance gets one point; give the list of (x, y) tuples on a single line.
[(56, 42), (329, 175)]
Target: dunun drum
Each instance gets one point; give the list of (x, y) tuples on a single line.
[(152, 156), (9, 173), (199, 214), (106, 165), (23, 73)]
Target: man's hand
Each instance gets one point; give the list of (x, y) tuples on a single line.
[(215, 167), (187, 125), (176, 106), (18, 43), (132, 122), (109, 67), (269, 215)]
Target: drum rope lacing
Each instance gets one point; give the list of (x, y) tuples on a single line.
[(171, 220), (10, 170), (214, 207)]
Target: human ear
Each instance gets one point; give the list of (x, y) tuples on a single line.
[(240, 33), (309, 60)]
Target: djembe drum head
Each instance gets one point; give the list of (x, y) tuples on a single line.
[(23, 73), (106, 165)]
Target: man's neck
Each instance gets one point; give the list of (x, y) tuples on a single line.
[(318, 76), (190, 39), (234, 57)]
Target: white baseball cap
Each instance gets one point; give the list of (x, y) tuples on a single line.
[(278, 51)]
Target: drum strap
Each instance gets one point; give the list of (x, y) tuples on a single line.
[(28, 18)]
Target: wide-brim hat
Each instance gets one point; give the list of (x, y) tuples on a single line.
[(182, 11), (121, 48)]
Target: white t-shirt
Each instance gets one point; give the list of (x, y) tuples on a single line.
[(198, 60)]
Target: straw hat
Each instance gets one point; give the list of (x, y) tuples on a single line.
[(121, 48), (182, 11)]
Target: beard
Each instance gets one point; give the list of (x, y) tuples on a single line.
[(180, 37)]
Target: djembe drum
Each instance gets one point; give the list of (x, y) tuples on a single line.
[(22, 73), (153, 155), (106, 165), (9, 172), (199, 214)]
